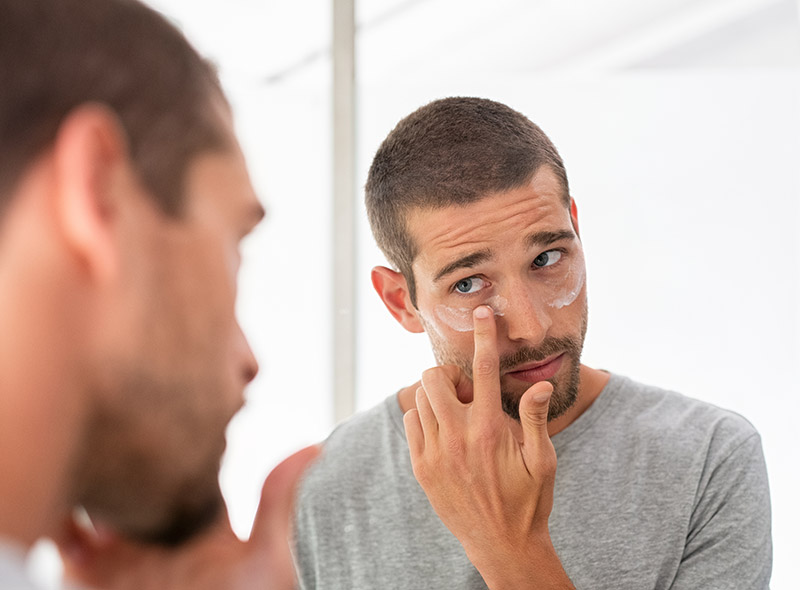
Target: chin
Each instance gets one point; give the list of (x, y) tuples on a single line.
[(165, 503), (186, 520), (565, 394), (189, 509)]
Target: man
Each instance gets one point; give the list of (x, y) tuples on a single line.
[(453, 482), (123, 198)]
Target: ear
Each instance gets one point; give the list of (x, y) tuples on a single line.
[(392, 288), (91, 166), (573, 214)]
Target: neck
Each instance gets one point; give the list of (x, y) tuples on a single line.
[(592, 383), (39, 419), (40, 401)]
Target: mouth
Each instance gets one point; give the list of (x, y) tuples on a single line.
[(541, 371)]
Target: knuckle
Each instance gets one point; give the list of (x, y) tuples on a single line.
[(421, 472), (455, 445), (550, 465), (452, 372), (421, 475), (428, 374), (484, 367), (547, 463), (484, 437), (538, 419)]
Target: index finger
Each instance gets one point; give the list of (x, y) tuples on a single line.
[(485, 362)]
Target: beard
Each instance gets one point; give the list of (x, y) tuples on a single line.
[(149, 466), (565, 387)]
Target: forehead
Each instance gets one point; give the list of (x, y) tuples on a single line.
[(495, 222), (218, 183)]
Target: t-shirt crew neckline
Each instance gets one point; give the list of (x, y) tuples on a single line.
[(581, 424)]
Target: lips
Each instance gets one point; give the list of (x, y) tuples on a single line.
[(541, 371)]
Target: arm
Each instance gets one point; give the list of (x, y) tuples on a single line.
[(488, 478), (215, 560)]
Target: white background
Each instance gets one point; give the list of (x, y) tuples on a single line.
[(678, 122)]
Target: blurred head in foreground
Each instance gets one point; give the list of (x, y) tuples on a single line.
[(123, 198)]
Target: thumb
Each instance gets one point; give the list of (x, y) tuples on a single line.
[(273, 518), (533, 411), (537, 448)]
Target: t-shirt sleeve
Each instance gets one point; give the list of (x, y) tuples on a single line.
[(729, 542), (303, 564), (303, 541)]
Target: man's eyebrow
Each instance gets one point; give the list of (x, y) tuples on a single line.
[(468, 261), (545, 238)]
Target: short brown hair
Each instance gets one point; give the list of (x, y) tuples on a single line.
[(452, 151), (58, 55)]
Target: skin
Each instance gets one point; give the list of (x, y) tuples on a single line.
[(489, 477), (123, 411)]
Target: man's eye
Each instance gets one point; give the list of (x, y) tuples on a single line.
[(547, 258), (470, 285)]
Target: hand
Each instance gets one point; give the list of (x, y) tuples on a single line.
[(489, 478), (216, 560)]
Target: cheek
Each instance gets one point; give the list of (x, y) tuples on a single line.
[(452, 319), (456, 348)]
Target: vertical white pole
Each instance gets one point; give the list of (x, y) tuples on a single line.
[(344, 148)]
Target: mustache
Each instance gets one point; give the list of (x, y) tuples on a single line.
[(548, 348)]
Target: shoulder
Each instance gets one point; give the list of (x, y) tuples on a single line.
[(674, 418), (358, 450), (657, 429)]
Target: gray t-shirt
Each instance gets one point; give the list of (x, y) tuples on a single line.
[(653, 490)]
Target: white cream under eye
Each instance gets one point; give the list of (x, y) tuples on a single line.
[(557, 289), (576, 277), (460, 318)]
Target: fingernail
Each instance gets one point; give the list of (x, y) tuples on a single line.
[(541, 397), (482, 312)]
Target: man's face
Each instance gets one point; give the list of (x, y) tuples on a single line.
[(519, 253), (176, 375)]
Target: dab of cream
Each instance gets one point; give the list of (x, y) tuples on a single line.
[(460, 318), (571, 294)]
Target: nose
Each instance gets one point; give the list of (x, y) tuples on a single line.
[(245, 357), (527, 318)]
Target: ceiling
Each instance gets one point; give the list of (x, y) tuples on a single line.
[(274, 41)]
